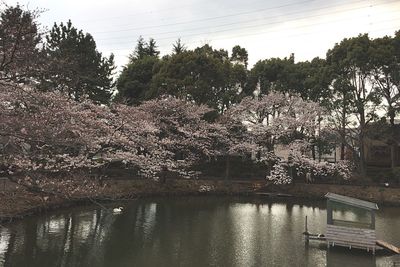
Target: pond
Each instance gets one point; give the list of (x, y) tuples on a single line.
[(187, 231)]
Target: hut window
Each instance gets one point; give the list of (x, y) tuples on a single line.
[(350, 216)]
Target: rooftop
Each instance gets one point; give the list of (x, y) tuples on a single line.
[(352, 201)]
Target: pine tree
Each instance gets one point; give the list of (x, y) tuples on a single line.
[(76, 67), (20, 55), (144, 49), (134, 82), (178, 47), (151, 48)]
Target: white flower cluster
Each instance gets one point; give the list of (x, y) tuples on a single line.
[(279, 174), (340, 169), (205, 188)]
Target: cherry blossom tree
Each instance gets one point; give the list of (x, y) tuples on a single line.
[(49, 132), (277, 118), (52, 133), (286, 120), (184, 134)]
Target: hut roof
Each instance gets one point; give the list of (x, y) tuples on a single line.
[(352, 201)]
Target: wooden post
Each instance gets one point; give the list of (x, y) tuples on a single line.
[(306, 228), (306, 232), (372, 219), (329, 212)]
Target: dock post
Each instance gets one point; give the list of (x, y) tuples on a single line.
[(306, 232)]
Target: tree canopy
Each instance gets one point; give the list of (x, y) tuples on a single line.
[(76, 66), (21, 40)]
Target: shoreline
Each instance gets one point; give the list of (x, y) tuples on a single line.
[(20, 203)]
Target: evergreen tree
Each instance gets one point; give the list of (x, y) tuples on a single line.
[(134, 81), (140, 50), (178, 47), (274, 74), (76, 67), (20, 54), (203, 75), (144, 49), (385, 61), (151, 48), (240, 55), (351, 65)]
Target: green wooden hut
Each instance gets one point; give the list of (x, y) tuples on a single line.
[(350, 222)]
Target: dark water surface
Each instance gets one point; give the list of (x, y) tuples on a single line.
[(187, 231)]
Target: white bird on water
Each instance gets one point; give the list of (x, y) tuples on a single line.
[(117, 210)]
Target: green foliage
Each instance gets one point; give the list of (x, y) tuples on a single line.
[(144, 49), (134, 82), (308, 79), (240, 55), (314, 80), (203, 75), (178, 47), (385, 68), (76, 67), (21, 58)]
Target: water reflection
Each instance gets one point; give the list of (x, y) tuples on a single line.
[(185, 232), (340, 257)]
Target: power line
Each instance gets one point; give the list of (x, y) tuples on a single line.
[(146, 12), (252, 20), (262, 33), (247, 27), (247, 21), (209, 18)]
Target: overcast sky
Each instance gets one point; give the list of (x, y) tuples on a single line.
[(266, 28)]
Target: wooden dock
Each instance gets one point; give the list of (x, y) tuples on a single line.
[(388, 246), (310, 236), (351, 237), (380, 244), (350, 233)]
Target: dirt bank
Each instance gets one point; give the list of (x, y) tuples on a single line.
[(378, 194), (17, 202)]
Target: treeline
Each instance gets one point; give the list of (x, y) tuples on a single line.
[(359, 76), (203, 75), (358, 83)]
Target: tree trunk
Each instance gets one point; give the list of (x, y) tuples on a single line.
[(313, 151), (342, 150), (393, 143), (363, 167), (319, 140), (343, 134)]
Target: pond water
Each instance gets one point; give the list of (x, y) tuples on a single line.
[(187, 231)]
